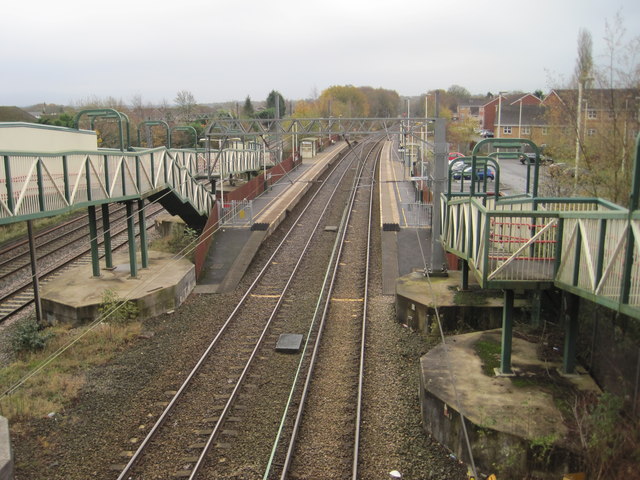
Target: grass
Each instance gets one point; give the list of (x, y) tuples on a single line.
[(61, 381), (489, 353)]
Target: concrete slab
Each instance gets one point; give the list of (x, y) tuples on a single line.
[(289, 342), (521, 408), (75, 295)]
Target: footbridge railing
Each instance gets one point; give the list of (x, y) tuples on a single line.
[(587, 246), (36, 185)]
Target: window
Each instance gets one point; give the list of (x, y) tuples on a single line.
[(591, 132), (506, 130), (592, 114), (545, 130), (526, 130)]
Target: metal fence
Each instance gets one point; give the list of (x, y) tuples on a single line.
[(237, 212), (417, 214)]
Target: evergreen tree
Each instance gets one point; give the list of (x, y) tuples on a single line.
[(247, 109)]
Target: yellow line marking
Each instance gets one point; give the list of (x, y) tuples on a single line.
[(347, 299), (265, 296)]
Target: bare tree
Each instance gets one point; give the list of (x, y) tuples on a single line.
[(186, 103)]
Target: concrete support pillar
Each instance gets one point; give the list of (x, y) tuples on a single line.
[(106, 234), (507, 332), (93, 241), (142, 226), (570, 314), (132, 239)]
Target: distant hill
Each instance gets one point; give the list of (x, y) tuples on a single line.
[(15, 114)]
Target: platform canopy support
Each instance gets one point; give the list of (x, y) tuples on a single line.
[(131, 233), (142, 225), (93, 241), (106, 236)]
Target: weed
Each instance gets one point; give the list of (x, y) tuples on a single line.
[(489, 353), (181, 240), (116, 310)]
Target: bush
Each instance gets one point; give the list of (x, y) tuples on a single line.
[(116, 310), (29, 336)]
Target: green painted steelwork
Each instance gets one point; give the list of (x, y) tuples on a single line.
[(131, 233), (519, 143), (94, 113), (184, 128), (476, 163), (70, 180), (585, 246), (153, 123), (142, 227), (93, 241), (106, 235)]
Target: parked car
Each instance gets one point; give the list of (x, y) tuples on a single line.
[(454, 155), (486, 133), (466, 173), (530, 158)]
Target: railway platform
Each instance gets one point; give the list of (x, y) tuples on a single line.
[(234, 247)]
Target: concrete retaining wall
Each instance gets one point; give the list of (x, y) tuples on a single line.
[(6, 453), (444, 423)]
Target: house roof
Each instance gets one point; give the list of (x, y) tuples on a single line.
[(15, 114), (531, 115), (473, 102), (597, 98)]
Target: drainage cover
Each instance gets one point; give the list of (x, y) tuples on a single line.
[(289, 342)]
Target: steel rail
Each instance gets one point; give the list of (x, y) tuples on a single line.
[(203, 358)]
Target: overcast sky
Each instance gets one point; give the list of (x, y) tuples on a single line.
[(67, 51)]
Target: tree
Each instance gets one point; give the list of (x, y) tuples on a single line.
[(602, 137), (186, 103), (247, 109), (346, 101), (382, 103), (276, 98)]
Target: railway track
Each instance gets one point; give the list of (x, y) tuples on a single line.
[(212, 426), (59, 248), (324, 440)]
